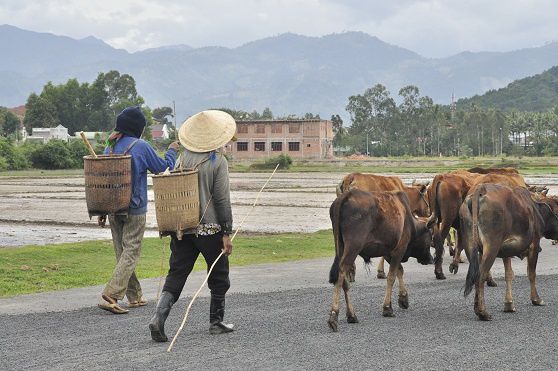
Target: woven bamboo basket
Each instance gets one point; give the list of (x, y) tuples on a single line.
[(108, 184), (177, 202)]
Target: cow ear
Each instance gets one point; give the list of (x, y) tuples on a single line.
[(544, 192), (423, 188)]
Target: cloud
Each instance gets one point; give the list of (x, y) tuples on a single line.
[(430, 27)]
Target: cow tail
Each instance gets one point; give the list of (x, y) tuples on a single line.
[(473, 274), (434, 204), (339, 188), (335, 215)]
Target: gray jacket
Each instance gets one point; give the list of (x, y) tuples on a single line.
[(213, 179)]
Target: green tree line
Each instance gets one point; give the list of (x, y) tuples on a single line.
[(418, 127)]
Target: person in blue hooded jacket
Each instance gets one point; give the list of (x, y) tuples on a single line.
[(127, 230)]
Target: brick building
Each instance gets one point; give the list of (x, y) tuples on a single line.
[(300, 139)]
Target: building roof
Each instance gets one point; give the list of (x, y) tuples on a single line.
[(158, 127)]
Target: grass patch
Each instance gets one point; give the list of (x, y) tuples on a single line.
[(32, 269)]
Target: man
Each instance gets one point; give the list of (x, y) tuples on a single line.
[(203, 135), (127, 230)]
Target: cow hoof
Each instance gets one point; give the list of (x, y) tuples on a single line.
[(453, 268), (440, 275), (352, 319), (451, 251), (509, 307), (381, 275), (388, 312), (403, 301), (490, 282), (332, 321), (538, 302), (484, 316)]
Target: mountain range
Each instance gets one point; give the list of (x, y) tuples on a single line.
[(291, 74)]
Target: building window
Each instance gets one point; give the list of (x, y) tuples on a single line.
[(308, 145), (259, 146), (277, 128), (242, 128), (260, 128), (241, 146), (294, 128), (277, 146), (294, 146)]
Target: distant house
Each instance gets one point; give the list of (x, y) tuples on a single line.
[(46, 134), (160, 132)]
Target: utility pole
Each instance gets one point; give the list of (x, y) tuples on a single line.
[(501, 141), (367, 153)]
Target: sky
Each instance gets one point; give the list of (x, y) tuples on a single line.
[(432, 28)]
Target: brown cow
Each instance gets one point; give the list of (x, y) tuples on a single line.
[(372, 225), (510, 180), (494, 170), (447, 193), (379, 183), (504, 222)]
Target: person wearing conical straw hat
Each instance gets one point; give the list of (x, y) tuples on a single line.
[(203, 135)]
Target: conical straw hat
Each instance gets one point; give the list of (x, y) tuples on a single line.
[(207, 131)]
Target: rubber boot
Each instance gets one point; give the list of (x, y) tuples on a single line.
[(216, 314), (157, 324)]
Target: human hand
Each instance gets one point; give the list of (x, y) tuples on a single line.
[(227, 244), (175, 145), (102, 220)]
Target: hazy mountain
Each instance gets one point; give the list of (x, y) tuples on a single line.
[(535, 93), (288, 73)]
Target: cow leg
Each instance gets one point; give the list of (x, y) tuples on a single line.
[(439, 237), (489, 280), (334, 313), (381, 274), (508, 301), (387, 310), (486, 261), (531, 268), (351, 317), (403, 300)]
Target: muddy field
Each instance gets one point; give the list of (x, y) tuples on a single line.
[(52, 210)]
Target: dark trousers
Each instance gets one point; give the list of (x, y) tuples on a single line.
[(184, 254)]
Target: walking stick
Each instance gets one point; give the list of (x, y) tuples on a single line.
[(213, 265)]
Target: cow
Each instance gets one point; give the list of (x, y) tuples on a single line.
[(379, 183), (494, 170), (373, 225), (445, 198), (510, 180), (504, 222)]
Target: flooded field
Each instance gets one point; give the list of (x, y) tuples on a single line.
[(52, 210)]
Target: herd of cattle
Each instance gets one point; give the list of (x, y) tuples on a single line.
[(493, 211)]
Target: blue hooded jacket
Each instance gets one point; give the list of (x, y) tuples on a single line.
[(144, 158)]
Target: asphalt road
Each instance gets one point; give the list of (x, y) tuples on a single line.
[(280, 313)]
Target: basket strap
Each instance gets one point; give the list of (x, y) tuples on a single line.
[(130, 146)]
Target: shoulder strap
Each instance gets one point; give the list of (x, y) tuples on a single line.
[(130, 146)]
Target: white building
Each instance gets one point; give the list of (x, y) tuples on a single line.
[(46, 134)]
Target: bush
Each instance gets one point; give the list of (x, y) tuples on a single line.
[(283, 160), (53, 155), (14, 157), (3, 164), (78, 149)]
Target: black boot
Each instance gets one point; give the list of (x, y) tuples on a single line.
[(216, 314), (157, 324)]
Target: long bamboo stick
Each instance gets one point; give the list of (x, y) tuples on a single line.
[(89, 148)]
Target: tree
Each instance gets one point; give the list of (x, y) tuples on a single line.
[(40, 113), (267, 114), (9, 123)]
